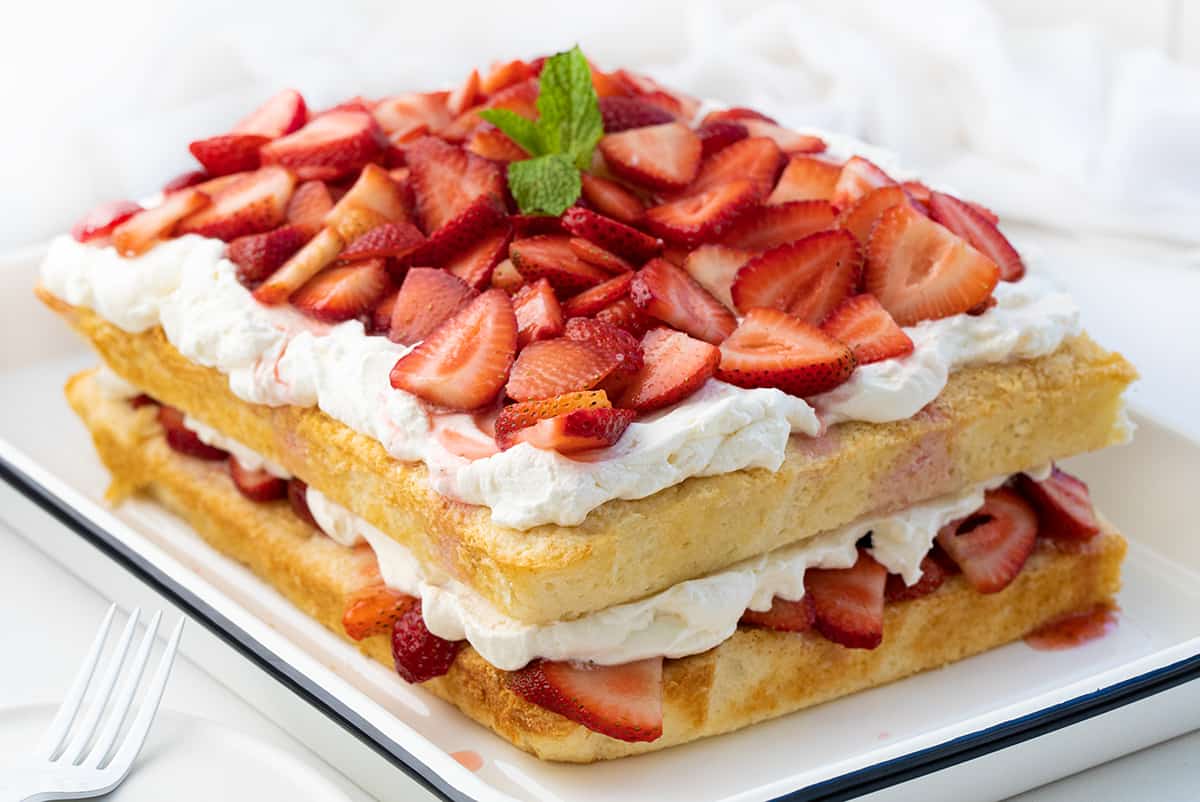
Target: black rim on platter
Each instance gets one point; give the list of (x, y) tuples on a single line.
[(846, 786)]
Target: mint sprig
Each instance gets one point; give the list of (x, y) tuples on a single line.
[(560, 141)]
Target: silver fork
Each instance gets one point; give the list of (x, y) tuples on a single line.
[(83, 766)]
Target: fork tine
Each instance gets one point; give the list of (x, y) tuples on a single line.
[(120, 710), (122, 762), (65, 717), (76, 749)]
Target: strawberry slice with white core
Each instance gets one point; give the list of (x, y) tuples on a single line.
[(784, 615), (329, 146), (184, 180), (757, 160), (464, 363), (465, 96), (254, 203), (658, 156), (611, 199), (504, 74), (309, 205), (622, 702), (490, 142), (738, 114), (389, 240), (475, 264), (144, 229), (547, 368), (573, 432), (860, 218), (418, 653), (993, 543), (101, 221), (228, 153), (184, 440), (807, 278), (702, 217), (789, 141), (858, 177), (806, 178), (515, 417), (609, 339), (284, 113), (373, 200), (374, 610), (920, 270), (668, 293), (318, 252), (257, 256), (428, 298), (381, 316), (717, 135), (539, 315), (256, 484), (551, 257), (340, 293), (917, 191), (773, 349), (623, 113), (505, 277), (447, 179), (714, 266), (674, 366), (849, 602), (591, 301), (862, 323), (1063, 504), (769, 226), (593, 254), (610, 234), (402, 113), (983, 235), (482, 217), (625, 315)]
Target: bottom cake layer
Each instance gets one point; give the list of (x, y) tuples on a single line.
[(755, 675)]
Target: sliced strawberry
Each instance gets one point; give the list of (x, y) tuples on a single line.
[(806, 178), (932, 577), (504, 74), (184, 440), (1063, 504), (769, 226), (622, 702), (858, 177), (784, 615), (976, 229), (668, 293), (284, 113), (593, 254), (547, 368), (703, 217), (490, 142), (101, 221), (625, 315), (645, 88), (515, 417), (447, 179), (551, 257), (789, 141), (713, 267), (917, 191), (534, 225), (674, 366), (718, 135), (591, 301), (309, 205), (228, 153), (297, 494), (475, 264), (465, 362), (143, 230), (921, 271), (479, 219), (611, 199), (519, 98), (773, 349), (505, 277), (609, 339), (381, 317), (757, 160), (428, 298), (663, 156), (142, 400), (305, 263), (465, 96), (340, 293), (993, 543), (329, 146), (389, 240), (539, 316), (254, 203), (862, 323), (849, 602), (419, 654), (581, 430), (807, 278), (738, 114), (402, 113), (374, 610), (623, 113), (373, 200), (611, 235), (184, 180), (860, 218), (257, 256), (256, 485)]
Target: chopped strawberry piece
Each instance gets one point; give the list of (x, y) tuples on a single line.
[(101, 221), (480, 219), (593, 254), (547, 368), (465, 96), (184, 440), (921, 271), (373, 200), (551, 257), (858, 177), (609, 339), (773, 349), (860, 218), (702, 217), (1063, 504), (611, 199), (419, 654), (623, 113), (862, 323), (447, 179), (257, 256), (917, 191), (993, 543), (581, 430), (625, 315), (757, 160), (645, 88), (381, 317), (807, 278), (789, 141), (976, 229), (713, 267), (622, 702), (535, 225), (503, 75), (297, 493), (228, 153), (284, 113), (184, 180), (308, 207), (769, 226), (428, 298), (465, 362), (784, 615), (329, 146), (505, 277), (539, 316), (738, 114), (717, 135), (389, 240), (806, 178), (932, 577), (257, 484), (374, 610), (849, 602), (611, 235), (519, 98), (142, 400), (668, 293), (490, 142), (144, 229), (663, 156), (403, 113), (305, 263), (340, 293), (591, 301), (515, 417), (252, 204), (674, 366), (475, 264)]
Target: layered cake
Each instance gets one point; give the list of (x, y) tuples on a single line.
[(614, 418)]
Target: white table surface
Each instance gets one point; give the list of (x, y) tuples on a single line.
[(1136, 297)]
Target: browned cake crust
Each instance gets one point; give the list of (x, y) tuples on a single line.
[(755, 675), (989, 421)]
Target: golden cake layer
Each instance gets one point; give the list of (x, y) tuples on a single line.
[(989, 421)]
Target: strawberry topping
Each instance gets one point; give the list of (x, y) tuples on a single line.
[(669, 294), (849, 602), (256, 484), (341, 293), (981, 232), (933, 574), (257, 256), (611, 199), (713, 267), (539, 316), (184, 440), (428, 298), (717, 135), (374, 610), (591, 301), (702, 217), (547, 368), (862, 323), (389, 240), (144, 229), (228, 153), (284, 113), (100, 222), (860, 218), (807, 278), (572, 432), (773, 349), (330, 146), (993, 543), (622, 113), (784, 615), (674, 366), (253, 203), (551, 257), (419, 654), (757, 160), (663, 156), (858, 177), (769, 226), (611, 235), (447, 179), (515, 417), (1063, 504), (805, 178), (309, 205), (593, 254)]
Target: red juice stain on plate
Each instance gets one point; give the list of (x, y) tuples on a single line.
[(469, 759), (1075, 629)]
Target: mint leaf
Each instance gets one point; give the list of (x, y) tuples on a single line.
[(521, 130), (544, 185), (568, 111)]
